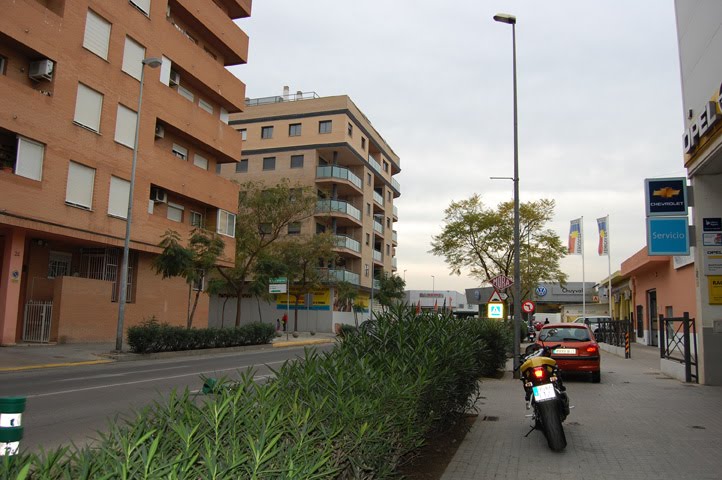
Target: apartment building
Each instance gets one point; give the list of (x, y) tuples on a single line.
[(71, 74), (327, 142)]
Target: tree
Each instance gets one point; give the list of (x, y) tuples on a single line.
[(264, 215), (191, 262), (346, 294), (482, 240), (391, 289), (306, 261)]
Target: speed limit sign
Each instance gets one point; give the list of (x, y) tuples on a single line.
[(527, 306)]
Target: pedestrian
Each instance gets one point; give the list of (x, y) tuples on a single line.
[(546, 322), (278, 324), (285, 321)]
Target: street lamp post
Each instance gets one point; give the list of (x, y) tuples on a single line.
[(404, 275), (152, 62), (433, 287), (511, 20)]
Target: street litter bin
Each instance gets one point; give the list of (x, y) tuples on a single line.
[(11, 429)]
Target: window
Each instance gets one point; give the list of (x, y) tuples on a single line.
[(242, 166), (324, 126), (294, 130), (368, 239), (269, 163), (180, 152), (29, 161), (296, 161), (175, 212), (244, 134), (59, 264), (366, 269), (368, 209), (368, 178), (388, 222), (265, 228), (97, 34), (118, 198), (363, 143), (3, 64), (185, 93), (226, 223), (196, 219), (205, 106), (224, 116), (295, 194), (350, 130), (294, 228), (133, 56), (266, 132), (388, 249), (388, 195), (79, 191), (142, 5), (200, 161), (199, 281), (88, 105), (125, 123), (386, 166)]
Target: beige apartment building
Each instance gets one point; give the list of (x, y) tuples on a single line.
[(70, 81), (327, 142)]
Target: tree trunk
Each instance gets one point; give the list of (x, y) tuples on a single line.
[(260, 316), (295, 315), (189, 318), (239, 296), (193, 310)]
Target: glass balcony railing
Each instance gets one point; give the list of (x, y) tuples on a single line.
[(377, 284), (376, 166), (333, 171), (378, 256), (396, 212), (347, 242), (378, 198), (394, 263), (324, 206), (378, 227), (395, 236), (396, 185), (345, 276)]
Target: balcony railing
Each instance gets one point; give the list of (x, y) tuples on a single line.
[(344, 276), (395, 236), (378, 198), (378, 256), (396, 212), (324, 206), (347, 242), (333, 171), (394, 263), (376, 166), (377, 284), (378, 227), (396, 185)]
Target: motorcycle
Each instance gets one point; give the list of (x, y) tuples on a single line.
[(531, 334), (546, 395)]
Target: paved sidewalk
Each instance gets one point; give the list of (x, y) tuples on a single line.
[(637, 424), (34, 356)]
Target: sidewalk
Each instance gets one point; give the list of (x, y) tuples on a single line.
[(636, 424), (33, 356)]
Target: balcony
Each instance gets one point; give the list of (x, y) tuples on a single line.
[(397, 187), (341, 173), (348, 243), (341, 275), (378, 198), (338, 206), (395, 237), (377, 284), (376, 166), (394, 264), (378, 227), (396, 213), (378, 256)]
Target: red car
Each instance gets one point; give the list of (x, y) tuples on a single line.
[(577, 350)]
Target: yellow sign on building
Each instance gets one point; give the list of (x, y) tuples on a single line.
[(715, 289)]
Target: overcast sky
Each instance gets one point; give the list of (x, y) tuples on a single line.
[(599, 105)]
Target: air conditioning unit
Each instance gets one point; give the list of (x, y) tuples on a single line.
[(174, 79), (159, 131), (158, 195), (41, 70)]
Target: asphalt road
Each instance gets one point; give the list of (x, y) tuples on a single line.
[(71, 404)]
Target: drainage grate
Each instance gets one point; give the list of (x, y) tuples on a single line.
[(490, 418)]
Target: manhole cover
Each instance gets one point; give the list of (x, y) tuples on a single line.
[(490, 418)]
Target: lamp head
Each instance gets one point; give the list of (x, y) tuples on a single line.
[(152, 62), (505, 18)]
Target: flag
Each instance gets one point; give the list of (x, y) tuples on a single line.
[(603, 248), (575, 237), (436, 305), (443, 309), (418, 307)]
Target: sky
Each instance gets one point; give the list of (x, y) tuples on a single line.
[(599, 106)]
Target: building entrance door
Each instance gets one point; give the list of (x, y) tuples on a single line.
[(653, 318)]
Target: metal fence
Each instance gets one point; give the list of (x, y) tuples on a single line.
[(614, 332), (678, 342), (38, 315)]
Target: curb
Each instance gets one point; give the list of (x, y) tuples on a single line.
[(54, 365)]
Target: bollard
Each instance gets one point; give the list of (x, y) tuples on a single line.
[(11, 429)]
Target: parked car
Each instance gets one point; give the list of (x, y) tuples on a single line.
[(593, 321), (577, 350)]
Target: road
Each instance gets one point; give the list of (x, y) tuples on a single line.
[(71, 404)]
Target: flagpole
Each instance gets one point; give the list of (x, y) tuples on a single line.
[(609, 266), (584, 283)]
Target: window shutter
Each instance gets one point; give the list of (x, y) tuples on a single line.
[(165, 66), (30, 159), (80, 185), (143, 5), (200, 161), (125, 123), (97, 34), (118, 200), (88, 106), (133, 56), (224, 115)]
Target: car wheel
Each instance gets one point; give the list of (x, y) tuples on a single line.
[(596, 377)]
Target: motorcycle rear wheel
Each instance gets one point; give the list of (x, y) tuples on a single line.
[(552, 425)]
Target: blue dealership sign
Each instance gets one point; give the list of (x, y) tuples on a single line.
[(667, 236)]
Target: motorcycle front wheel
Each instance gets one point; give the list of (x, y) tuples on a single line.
[(548, 415)]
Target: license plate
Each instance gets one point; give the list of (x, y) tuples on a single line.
[(544, 392), (565, 351)]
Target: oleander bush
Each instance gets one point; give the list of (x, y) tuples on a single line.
[(355, 412), (152, 336)]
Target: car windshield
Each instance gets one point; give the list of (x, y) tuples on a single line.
[(564, 334)]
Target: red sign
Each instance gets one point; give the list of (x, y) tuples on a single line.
[(527, 306), (501, 282)]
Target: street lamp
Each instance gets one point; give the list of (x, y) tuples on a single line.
[(152, 62), (404, 275), (511, 20)]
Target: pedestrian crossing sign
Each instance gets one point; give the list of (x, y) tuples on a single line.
[(495, 310)]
